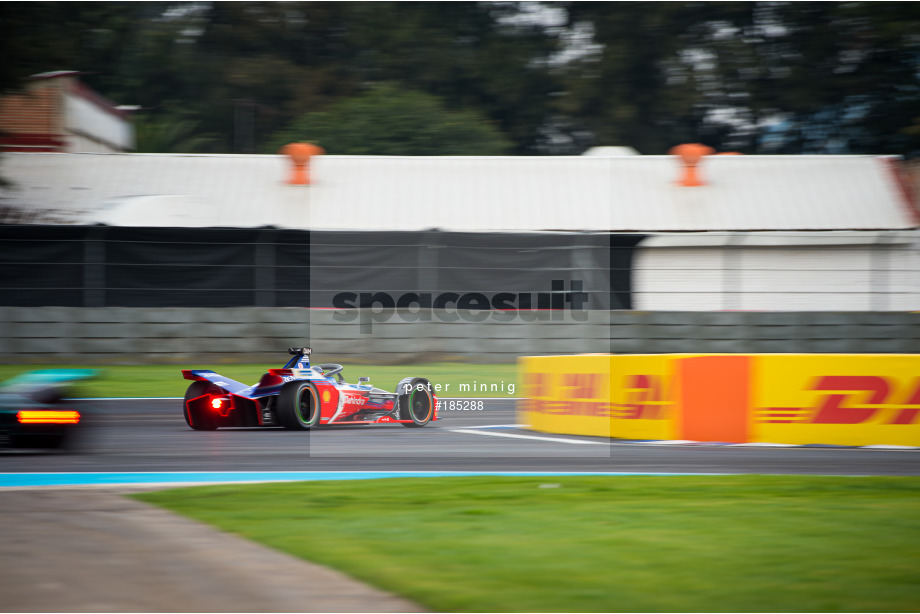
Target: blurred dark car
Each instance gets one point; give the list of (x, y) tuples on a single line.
[(36, 410)]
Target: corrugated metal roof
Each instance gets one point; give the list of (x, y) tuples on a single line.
[(630, 193), (156, 189)]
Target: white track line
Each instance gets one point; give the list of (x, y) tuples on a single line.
[(764, 445), (498, 426), (669, 442), (516, 436), (127, 399)]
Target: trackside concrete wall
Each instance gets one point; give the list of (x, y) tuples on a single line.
[(114, 335)]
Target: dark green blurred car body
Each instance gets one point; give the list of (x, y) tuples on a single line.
[(36, 410)]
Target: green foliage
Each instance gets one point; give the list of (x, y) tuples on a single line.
[(624, 93), (759, 77), (595, 544), (388, 121), (466, 53), (169, 134), (835, 77), (44, 36)]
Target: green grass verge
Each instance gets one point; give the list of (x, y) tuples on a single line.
[(166, 380), (596, 544)]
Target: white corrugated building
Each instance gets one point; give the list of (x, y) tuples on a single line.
[(763, 233)]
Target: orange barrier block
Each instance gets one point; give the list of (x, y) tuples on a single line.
[(714, 393)]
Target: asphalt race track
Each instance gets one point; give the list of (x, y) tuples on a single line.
[(150, 435)]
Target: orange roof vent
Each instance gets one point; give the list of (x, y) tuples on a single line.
[(300, 155), (691, 154)]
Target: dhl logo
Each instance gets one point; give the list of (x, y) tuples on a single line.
[(644, 399), (571, 385), (576, 394), (842, 399), (587, 394), (850, 399)]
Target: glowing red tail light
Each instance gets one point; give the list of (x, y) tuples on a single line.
[(34, 416), (221, 405)]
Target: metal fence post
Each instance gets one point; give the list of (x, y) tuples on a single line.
[(94, 267), (264, 269)]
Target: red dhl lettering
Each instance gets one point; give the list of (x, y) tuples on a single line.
[(571, 385), (538, 384), (644, 398), (582, 385), (850, 399), (569, 407), (834, 410), (584, 394)]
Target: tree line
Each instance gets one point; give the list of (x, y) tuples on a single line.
[(488, 78)]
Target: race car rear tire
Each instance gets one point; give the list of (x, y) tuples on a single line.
[(416, 403), (298, 406), (200, 421), (49, 442)]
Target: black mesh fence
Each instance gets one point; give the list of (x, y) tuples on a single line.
[(97, 266)]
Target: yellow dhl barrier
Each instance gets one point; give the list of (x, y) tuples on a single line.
[(599, 395), (769, 398), (566, 394), (856, 400)]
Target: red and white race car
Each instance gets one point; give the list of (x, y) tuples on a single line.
[(301, 396)]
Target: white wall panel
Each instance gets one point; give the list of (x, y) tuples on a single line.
[(782, 278), (81, 116)]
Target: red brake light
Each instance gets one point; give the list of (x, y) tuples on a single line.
[(30, 416), (221, 405)]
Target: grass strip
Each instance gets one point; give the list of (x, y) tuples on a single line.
[(456, 379), (595, 544)]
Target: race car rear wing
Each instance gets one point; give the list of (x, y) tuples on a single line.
[(206, 375)]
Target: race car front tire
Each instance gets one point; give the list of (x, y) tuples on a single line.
[(298, 406), (416, 403), (200, 421)]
